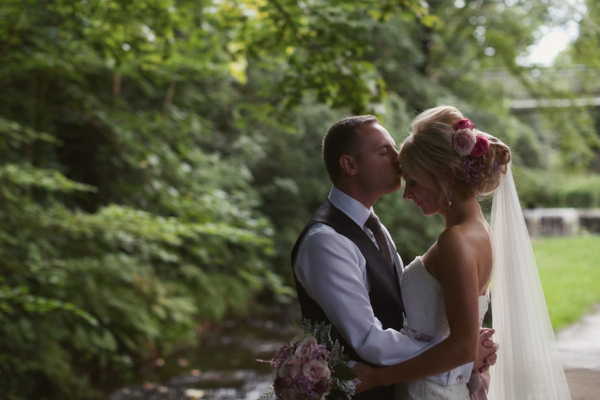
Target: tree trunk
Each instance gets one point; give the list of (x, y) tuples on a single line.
[(169, 98), (116, 85)]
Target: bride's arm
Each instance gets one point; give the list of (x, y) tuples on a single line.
[(457, 273)]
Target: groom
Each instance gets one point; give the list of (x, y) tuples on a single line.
[(345, 264)]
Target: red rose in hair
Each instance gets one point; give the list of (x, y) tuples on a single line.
[(464, 123), (482, 144)]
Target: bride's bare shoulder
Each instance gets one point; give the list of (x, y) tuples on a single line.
[(453, 235), (465, 235), (456, 243)]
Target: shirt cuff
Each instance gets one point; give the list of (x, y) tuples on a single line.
[(460, 374)]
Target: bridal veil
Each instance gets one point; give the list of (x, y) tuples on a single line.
[(528, 365)]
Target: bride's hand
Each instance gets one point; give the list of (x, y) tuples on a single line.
[(367, 377), (486, 352)]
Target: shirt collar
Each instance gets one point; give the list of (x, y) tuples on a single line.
[(349, 206)]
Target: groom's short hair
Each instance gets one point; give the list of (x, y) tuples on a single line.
[(342, 138)]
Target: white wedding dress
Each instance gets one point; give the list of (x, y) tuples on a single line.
[(426, 319), (528, 365)]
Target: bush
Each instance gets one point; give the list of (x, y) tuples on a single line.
[(87, 297), (547, 189)]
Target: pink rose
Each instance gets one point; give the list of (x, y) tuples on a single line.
[(464, 123), (315, 370), (482, 144), (464, 141), (306, 347), (289, 368)]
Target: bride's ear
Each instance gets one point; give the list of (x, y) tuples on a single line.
[(348, 165)]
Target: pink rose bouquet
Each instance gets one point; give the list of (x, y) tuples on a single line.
[(312, 367)]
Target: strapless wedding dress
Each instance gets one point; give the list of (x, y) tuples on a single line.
[(426, 319)]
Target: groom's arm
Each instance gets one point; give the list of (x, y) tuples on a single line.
[(333, 272)]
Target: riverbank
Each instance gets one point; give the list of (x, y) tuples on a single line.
[(224, 367)]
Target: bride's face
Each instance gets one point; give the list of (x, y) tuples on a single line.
[(426, 198)]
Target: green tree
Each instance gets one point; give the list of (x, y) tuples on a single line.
[(124, 226)]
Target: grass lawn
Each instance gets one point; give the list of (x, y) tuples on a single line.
[(570, 273)]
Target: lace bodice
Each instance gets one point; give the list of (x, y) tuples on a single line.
[(424, 303)]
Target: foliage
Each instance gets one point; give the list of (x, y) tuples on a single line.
[(92, 294), (547, 189), (122, 228), (585, 49), (303, 41)]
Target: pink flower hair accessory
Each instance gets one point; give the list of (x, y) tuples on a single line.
[(464, 142), (482, 144), (464, 123), (471, 147)]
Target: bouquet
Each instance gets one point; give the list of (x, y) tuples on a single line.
[(312, 367)]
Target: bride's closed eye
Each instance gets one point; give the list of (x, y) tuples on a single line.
[(409, 181)]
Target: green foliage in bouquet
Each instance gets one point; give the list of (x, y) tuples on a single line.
[(337, 358)]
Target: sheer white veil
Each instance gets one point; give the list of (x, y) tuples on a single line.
[(528, 365)]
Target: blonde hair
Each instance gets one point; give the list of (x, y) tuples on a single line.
[(427, 155)]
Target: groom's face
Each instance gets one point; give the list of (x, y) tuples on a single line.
[(379, 170)]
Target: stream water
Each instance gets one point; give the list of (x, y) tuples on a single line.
[(223, 365)]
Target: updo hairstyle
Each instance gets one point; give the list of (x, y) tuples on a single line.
[(428, 156)]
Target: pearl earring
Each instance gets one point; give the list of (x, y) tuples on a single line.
[(449, 197)]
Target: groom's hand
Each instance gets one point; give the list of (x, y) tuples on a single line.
[(366, 377), (486, 352)]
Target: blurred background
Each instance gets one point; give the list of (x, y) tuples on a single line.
[(158, 159)]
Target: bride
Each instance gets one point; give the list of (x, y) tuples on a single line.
[(447, 165)]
